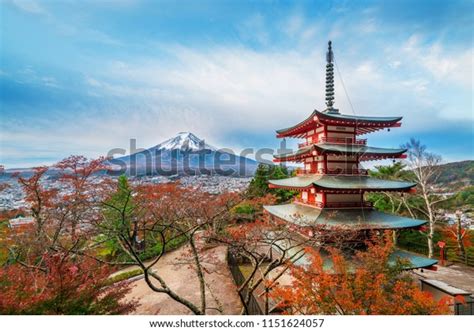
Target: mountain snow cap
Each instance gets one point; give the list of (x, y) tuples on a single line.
[(185, 141)]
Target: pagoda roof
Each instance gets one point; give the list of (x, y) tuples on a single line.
[(367, 152), (415, 261), (361, 120), (363, 124), (353, 219), (341, 182)]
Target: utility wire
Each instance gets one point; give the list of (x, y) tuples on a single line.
[(356, 126)]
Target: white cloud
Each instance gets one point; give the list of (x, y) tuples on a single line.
[(367, 26), (293, 24), (254, 29), (30, 6), (395, 64), (454, 66)]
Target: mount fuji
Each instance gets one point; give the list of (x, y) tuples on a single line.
[(184, 154)]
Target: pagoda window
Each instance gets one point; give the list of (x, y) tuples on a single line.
[(304, 196), (320, 167), (319, 197)]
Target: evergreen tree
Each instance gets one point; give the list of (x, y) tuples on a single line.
[(118, 202), (258, 187)]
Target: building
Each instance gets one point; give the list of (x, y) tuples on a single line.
[(21, 222), (332, 183)]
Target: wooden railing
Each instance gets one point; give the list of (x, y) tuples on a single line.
[(364, 204), (338, 140), (306, 143), (361, 172), (334, 140), (253, 308)]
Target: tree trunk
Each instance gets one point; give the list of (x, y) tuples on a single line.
[(430, 240), (431, 220), (462, 251)]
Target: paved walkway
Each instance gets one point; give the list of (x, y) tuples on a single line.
[(180, 277)]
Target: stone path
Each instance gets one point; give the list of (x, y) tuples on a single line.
[(180, 277)]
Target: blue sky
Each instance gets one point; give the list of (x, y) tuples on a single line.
[(83, 77)]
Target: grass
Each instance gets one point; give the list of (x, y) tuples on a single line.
[(124, 275)]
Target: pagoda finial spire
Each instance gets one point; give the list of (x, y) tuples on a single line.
[(330, 79)]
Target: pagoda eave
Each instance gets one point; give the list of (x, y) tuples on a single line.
[(292, 188), (351, 183), (299, 129), (364, 153), (350, 219)]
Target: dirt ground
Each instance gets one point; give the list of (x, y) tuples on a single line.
[(173, 267), (456, 275)]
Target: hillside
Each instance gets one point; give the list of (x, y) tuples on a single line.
[(456, 174)]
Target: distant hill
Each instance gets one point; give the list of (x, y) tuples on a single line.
[(456, 174)]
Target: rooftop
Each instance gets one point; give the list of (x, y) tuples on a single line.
[(358, 219), (363, 124), (342, 182), (345, 149)]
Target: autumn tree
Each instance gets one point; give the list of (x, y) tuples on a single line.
[(371, 283), (459, 235), (161, 215), (43, 255), (79, 188), (62, 285), (267, 247)]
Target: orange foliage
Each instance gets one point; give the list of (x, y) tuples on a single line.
[(450, 233), (61, 286), (368, 285)]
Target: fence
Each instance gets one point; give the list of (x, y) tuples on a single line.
[(450, 252), (253, 308), (464, 308)]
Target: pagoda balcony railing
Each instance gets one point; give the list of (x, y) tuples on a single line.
[(334, 140), (306, 143), (338, 140), (361, 172), (300, 171), (364, 204)]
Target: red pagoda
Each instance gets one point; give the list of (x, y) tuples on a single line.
[(332, 183)]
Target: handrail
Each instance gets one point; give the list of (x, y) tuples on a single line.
[(338, 140), (319, 204), (334, 140), (362, 172)]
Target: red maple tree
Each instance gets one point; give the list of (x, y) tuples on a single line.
[(62, 285), (368, 285)]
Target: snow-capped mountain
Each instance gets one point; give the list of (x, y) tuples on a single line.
[(184, 154), (184, 141)]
